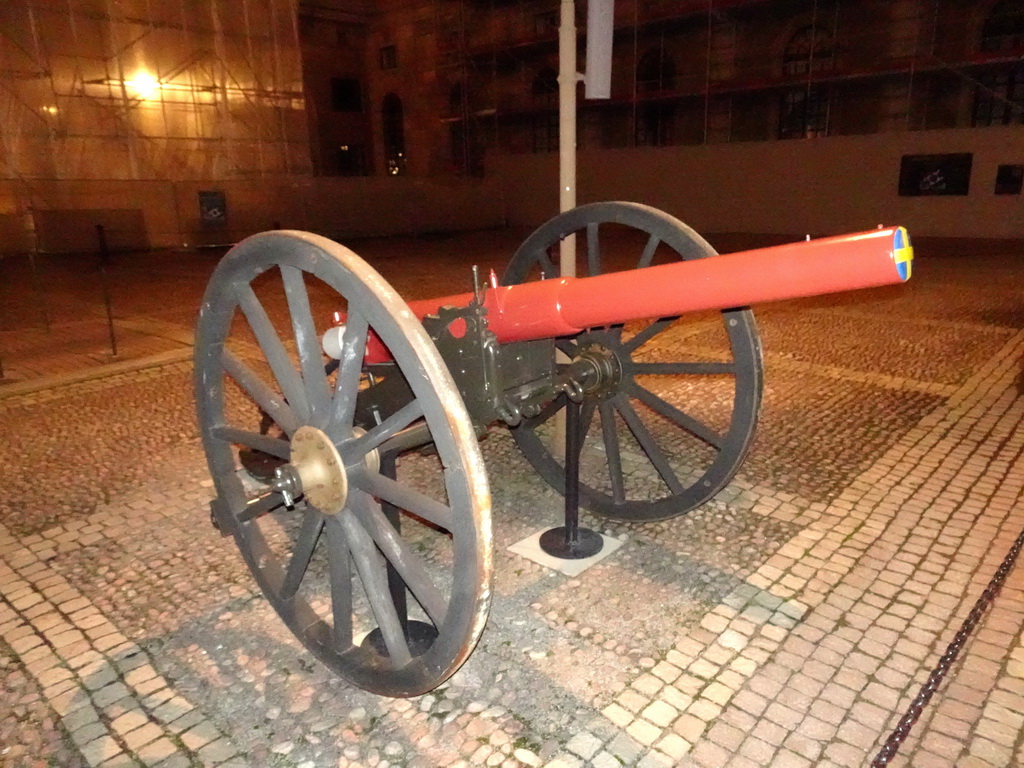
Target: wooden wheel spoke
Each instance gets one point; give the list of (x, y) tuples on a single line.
[(610, 436), (647, 257), (650, 446), (268, 400), (547, 268), (593, 249), (346, 389), (404, 497), (373, 574), (307, 341), (260, 506), (706, 368), (568, 347), (586, 418), (273, 350), (275, 446), (400, 556), (648, 333), (340, 572), (672, 413), (387, 429), (305, 544)]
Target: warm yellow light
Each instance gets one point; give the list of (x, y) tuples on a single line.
[(50, 110), (144, 84)]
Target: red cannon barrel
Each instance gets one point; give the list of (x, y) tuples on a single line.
[(565, 306)]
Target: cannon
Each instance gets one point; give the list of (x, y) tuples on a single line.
[(372, 537)]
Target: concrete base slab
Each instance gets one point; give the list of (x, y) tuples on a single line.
[(530, 549)]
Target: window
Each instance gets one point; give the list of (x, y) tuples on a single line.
[(388, 57), (350, 160), (810, 49), (466, 149), (999, 97), (654, 123), (655, 72), (545, 24), (346, 95), (393, 122), (545, 87), (1009, 179), (545, 133), (1003, 29), (457, 105), (803, 113)]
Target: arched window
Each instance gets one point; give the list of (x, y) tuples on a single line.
[(393, 123), (810, 49), (1004, 26), (655, 72)]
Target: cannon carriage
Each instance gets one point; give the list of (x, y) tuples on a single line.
[(372, 540)]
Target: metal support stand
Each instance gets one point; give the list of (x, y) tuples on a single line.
[(569, 541), (104, 258)]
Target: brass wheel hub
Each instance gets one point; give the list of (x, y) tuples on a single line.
[(320, 470)]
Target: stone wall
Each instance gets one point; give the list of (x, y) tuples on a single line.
[(817, 186)]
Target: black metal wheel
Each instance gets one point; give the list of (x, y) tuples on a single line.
[(377, 557), (678, 415)]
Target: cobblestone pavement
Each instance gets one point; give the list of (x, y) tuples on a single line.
[(787, 623)]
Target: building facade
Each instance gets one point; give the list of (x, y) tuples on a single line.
[(473, 77)]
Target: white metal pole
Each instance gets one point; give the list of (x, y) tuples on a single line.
[(567, 79)]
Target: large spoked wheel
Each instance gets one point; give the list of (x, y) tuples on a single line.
[(682, 406), (376, 557)]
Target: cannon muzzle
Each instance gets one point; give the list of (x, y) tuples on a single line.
[(568, 305)]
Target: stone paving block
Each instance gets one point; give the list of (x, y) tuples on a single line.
[(88, 732), (97, 675), (172, 709), (85, 715), (656, 759), (101, 750), (660, 713), (643, 731), (621, 717), (632, 701), (129, 721), (143, 734), (648, 684), (153, 752), (709, 755), (585, 745), (109, 694), (624, 748)]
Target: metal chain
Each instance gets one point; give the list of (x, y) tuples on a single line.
[(902, 730)]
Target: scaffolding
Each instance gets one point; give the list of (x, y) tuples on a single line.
[(712, 71), (135, 90)]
